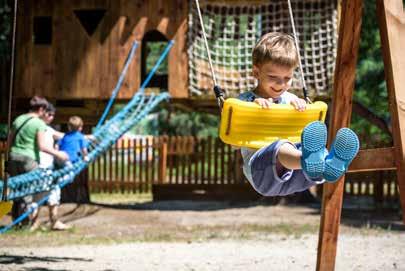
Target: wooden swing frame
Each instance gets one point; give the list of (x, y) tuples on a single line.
[(391, 17)]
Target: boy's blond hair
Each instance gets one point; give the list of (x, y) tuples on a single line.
[(277, 48), (75, 123)]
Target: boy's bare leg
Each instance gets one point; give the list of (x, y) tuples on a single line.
[(34, 220), (289, 157)]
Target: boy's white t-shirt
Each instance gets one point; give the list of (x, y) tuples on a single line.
[(45, 159), (247, 153)]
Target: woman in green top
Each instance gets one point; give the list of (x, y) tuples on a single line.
[(26, 139)]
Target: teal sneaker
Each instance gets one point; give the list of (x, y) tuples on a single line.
[(313, 147), (343, 150)]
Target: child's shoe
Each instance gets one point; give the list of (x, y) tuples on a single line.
[(343, 150), (313, 141)]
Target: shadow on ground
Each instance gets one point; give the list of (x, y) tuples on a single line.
[(20, 260)]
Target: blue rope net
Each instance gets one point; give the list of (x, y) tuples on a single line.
[(41, 180)]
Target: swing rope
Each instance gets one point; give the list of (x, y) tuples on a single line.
[(304, 85), (118, 85), (219, 94)]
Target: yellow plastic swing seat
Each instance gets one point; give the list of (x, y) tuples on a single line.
[(5, 208), (246, 124)]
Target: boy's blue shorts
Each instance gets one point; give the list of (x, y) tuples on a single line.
[(265, 178)]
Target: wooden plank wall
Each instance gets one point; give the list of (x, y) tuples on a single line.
[(79, 66)]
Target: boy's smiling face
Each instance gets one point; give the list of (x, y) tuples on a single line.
[(273, 79)]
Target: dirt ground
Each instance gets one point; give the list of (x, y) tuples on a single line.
[(186, 235)]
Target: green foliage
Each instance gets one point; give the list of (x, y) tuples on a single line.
[(3, 131), (153, 52), (183, 123), (168, 121), (370, 87)]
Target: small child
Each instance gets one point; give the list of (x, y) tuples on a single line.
[(284, 168), (74, 142)]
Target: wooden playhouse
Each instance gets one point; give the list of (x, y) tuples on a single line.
[(72, 52)]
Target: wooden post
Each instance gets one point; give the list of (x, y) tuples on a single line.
[(163, 161), (190, 158), (378, 190), (147, 165), (239, 177), (392, 31), (346, 60)]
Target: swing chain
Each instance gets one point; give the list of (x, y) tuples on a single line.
[(219, 94)]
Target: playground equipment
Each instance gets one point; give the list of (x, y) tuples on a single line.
[(240, 125), (391, 17), (40, 62), (41, 180), (104, 30)]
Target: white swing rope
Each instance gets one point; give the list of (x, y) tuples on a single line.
[(218, 92), (304, 85)]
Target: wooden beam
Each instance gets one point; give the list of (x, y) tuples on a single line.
[(162, 161), (392, 32), (374, 160), (346, 60)]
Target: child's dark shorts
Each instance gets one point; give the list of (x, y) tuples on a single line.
[(265, 178)]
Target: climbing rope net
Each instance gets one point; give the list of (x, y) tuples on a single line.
[(234, 28), (40, 180)]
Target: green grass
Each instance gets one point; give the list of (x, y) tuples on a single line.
[(114, 198), (198, 233)]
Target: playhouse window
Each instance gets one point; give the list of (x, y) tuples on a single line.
[(153, 44), (90, 19), (43, 30)]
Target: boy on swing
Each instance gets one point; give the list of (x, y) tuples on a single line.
[(282, 167)]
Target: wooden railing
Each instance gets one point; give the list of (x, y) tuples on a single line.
[(134, 165), (380, 185)]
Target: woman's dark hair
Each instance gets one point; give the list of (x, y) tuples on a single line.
[(50, 108), (38, 102)]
